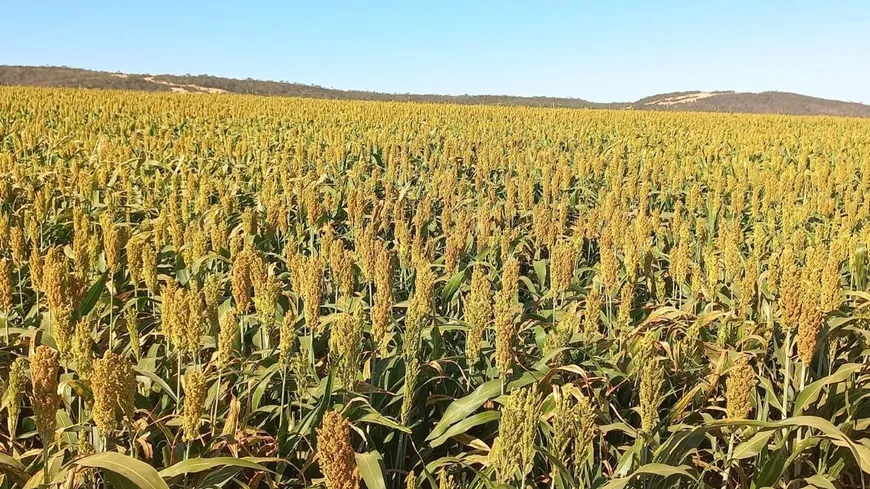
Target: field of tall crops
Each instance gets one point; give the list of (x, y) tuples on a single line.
[(228, 291)]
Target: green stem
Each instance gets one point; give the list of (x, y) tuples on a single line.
[(20, 293), (727, 474), (111, 322), (215, 404), (186, 457), (800, 435), (283, 393), (133, 447), (401, 449), (787, 378), (45, 465), (178, 384), (553, 318), (241, 336)]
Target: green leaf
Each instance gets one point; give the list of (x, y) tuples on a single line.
[(13, 468), (262, 386), (314, 417), (860, 262), (463, 407), (540, 267), (375, 417), (117, 482), (452, 286), (678, 446), (861, 453), (660, 470), (796, 451), (434, 465), (157, 380), (811, 392), (465, 425), (820, 481), (371, 468), (529, 285), (753, 446), (92, 296), (195, 465), (81, 388), (139, 473), (45, 338)]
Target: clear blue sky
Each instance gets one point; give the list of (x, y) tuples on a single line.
[(601, 51)]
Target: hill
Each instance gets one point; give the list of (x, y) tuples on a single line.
[(753, 103), (720, 101)]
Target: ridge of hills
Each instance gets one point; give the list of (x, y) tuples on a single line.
[(719, 101)]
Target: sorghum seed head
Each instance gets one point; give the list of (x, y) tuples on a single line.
[(335, 454), (114, 387), (739, 387), (195, 390), (43, 375)]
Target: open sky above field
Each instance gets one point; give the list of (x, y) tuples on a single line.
[(599, 51)]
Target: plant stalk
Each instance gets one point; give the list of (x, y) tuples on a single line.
[(787, 377), (727, 475)]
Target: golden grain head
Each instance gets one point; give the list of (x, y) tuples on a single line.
[(514, 447), (44, 364), (740, 385), (651, 382), (7, 299), (227, 336), (114, 386), (11, 398), (345, 347), (195, 390), (335, 454)]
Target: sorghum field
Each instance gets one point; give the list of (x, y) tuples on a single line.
[(230, 291)]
